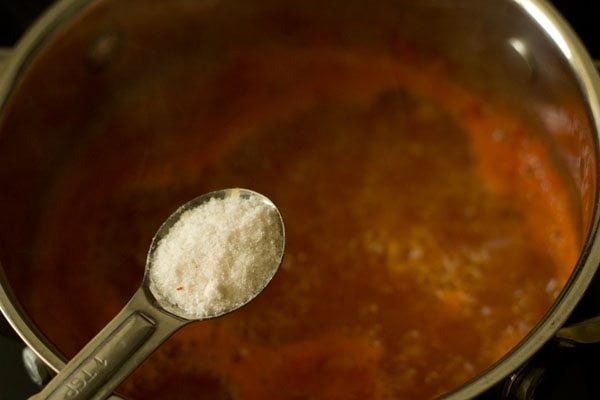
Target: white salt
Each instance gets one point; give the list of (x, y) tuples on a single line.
[(216, 257)]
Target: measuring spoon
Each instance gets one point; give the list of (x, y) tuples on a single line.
[(143, 324)]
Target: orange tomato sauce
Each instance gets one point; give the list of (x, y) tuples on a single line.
[(428, 230)]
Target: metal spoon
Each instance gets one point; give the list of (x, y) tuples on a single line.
[(140, 327)]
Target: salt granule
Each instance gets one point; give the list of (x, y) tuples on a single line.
[(216, 256)]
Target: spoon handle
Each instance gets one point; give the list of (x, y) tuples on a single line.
[(114, 353)]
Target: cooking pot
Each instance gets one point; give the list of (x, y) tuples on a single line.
[(83, 54)]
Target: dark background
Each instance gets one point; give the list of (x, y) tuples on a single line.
[(578, 372), (17, 15)]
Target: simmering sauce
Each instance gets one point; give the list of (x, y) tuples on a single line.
[(427, 230)]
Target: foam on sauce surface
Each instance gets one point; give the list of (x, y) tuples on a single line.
[(427, 231)]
